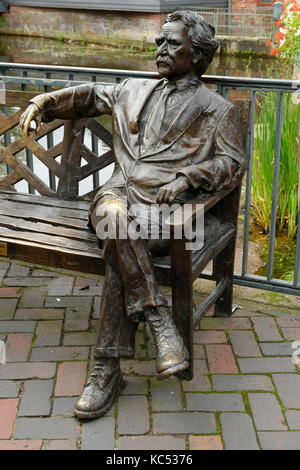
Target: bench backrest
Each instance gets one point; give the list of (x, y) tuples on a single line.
[(77, 161)]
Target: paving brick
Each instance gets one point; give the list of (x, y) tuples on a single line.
[(60, 444), (18, 346), (48, 333), (77, 318), (184, 423), (26, 281), (61, 286), (21, 444), (132, 366), (25, 370), (44, 272), (200, 382), (7, 308), (205, 443), (133, 415), (8, 413), (291, 333), (17, 270), (33, 297), (36, 398), (288, 386), (17, 326), (238, 432), (266, 365), (166, 395), (228, 383), (98, 434), (280, 440), (293, 419), (60, 353), (63, 406), (151, 443), (225, 324), (47, 428), (214, 402), (277, 349), (39, 314), (9, 292), (4, 265), (266, 329), (291, 322), (96, 307), (206, 337), (266, 412), (70, 378), (221, 359), (199, 352), (9, 389), (84, 338), (68, 301), (135, 386), (244, 344)]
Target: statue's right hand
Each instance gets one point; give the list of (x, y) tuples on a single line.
[(31, 113)]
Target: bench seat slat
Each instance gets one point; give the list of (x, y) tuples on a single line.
[(51, 240), (44, 201), (47, 228)]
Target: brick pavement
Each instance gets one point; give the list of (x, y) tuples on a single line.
[(245, 393)]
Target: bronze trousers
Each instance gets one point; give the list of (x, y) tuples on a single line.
[(130, 285)]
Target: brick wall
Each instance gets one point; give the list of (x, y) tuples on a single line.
[(88, 25)]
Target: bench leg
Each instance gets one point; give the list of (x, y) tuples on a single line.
[(224, 267), (182, 298)]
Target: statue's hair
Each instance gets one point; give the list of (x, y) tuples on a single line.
[(200, 36)]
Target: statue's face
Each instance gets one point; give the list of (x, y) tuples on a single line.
[(174, 54)]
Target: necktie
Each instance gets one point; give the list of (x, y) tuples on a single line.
[(156, 117)]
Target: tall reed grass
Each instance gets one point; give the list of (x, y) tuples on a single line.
[(263, 163)]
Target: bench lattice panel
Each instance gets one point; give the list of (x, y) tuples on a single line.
[(72, 150)]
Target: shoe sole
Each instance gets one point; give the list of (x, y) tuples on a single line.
[(102, 411), (173, 370)]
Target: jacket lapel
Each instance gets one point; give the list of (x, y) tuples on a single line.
[(138, 101), (191, 110)]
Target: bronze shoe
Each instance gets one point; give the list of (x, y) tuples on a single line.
[(172, 355), (101, 390)]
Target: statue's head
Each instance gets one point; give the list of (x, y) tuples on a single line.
[(185, 43)]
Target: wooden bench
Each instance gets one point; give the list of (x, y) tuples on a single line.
[(50, 229)]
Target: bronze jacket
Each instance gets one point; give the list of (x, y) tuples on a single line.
[(204, 142)]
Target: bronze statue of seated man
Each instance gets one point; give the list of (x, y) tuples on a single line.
[(171, 136)]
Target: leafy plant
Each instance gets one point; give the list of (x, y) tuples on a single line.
[(263, 164)]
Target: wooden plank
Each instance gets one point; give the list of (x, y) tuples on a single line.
[(44, 212), (99, 131), (45, 201), (19, 98), (51, 240), (30, 215), (21, 224), (100, 163), (50, 163), (26, 174), (8, 122)]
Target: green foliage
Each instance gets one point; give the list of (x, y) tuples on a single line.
[(263, 164)]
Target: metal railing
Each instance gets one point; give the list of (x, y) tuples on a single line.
[(46, 78), (239, 22)]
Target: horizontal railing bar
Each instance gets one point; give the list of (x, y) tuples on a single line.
[(273, 84)]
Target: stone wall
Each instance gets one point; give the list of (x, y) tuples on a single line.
[(88, 25)]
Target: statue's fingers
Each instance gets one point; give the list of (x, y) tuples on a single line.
[(38, 121), (27, 122)]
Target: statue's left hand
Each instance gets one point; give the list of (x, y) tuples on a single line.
[(31, 113), (170, 191)]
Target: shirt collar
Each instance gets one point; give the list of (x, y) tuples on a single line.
[(182, 84)]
